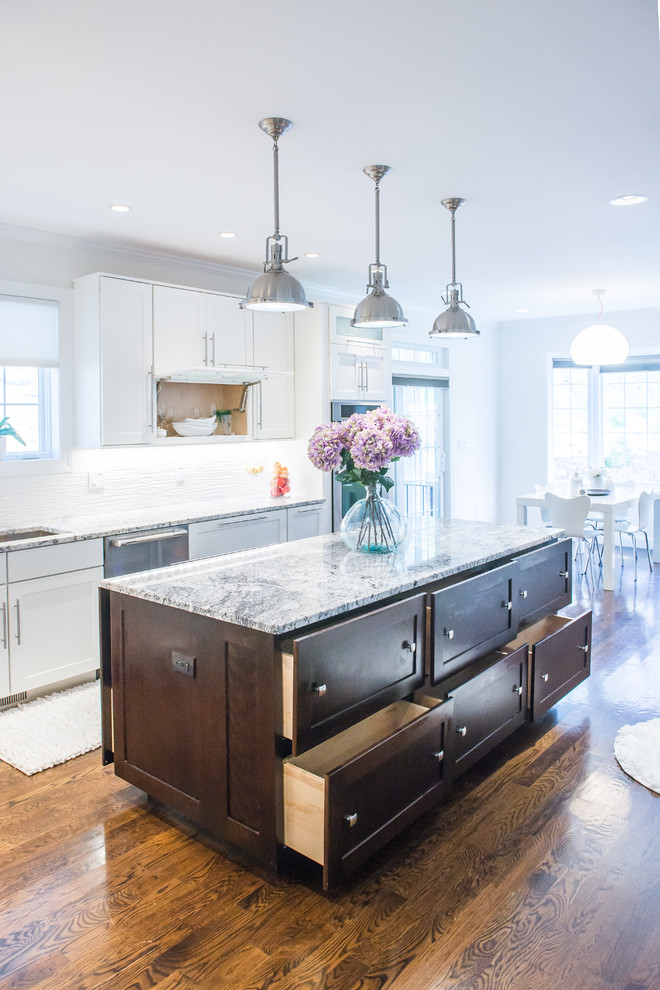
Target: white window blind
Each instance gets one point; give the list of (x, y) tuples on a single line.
[(29, 331)]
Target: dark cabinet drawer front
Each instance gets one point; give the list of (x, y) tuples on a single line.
[(471, 618), (384, 789), (560, 661), (488, 708), (544, 579), (351, 669)]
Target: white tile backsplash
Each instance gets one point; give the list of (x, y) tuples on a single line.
[(144, 477)]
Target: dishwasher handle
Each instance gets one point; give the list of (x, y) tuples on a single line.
[(163, 534)]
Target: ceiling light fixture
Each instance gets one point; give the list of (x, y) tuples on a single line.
[(119, 208), (599, 344), (631, 199), (378, 309), (227, 233), (276, 290), (312, 254), (454, 322)]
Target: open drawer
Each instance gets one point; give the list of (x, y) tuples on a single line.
[(337, 675), (348, 796), (560, 656)]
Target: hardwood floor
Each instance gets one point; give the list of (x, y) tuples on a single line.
[(542, 871)]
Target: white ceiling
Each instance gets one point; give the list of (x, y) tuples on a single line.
[(536, 111)]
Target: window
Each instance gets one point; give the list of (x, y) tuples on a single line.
[(609, 417), (29, 359)]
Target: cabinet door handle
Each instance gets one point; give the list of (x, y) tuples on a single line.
[(517, 688), (213, 351), (449, 633), (351, 818), (439, 756), (585, 648), (523, 594), (462, 730), (319, 689), (18, 621), (150, 402), (544, 677), (259, 418), (4, 625), (563, 574), (205, 338), (366, 377), (507, 606), (410, 647)]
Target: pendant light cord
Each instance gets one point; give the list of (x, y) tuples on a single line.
[(276, 189), (453, 247), (378, 223)]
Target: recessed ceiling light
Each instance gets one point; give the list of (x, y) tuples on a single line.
[(311, 254), (631, 199), (227, 233), (119, 208), (521, 311)]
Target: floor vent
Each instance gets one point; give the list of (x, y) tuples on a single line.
[(13, 699)]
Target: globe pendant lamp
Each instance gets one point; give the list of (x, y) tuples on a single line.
[(599, 344), (454, 322), (276, 290), (378, 309)]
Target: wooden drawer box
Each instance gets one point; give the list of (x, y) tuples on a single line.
[(544, 580), (347, 797), (336, 676), (471, 618), (560, 655), (488, 708)]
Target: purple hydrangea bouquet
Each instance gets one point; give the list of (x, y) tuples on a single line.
[(361, 450)]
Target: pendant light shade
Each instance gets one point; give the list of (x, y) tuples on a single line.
[(276, 290), (378, 309), (454, 322), (599, 343)]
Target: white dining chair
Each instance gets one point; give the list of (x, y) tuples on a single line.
[(570, 514), (626, 527)]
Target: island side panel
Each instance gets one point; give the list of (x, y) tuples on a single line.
[(193, 718)]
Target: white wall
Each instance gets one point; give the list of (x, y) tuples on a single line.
[(525, 351)]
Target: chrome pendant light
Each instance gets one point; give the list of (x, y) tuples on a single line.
[(599, 343), (454, 322), (378, 309), (276, 290)]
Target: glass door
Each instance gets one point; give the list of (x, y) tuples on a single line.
[(421, 482)]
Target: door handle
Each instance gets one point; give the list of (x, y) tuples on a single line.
[(410, 647), (523, 594), (507, 606), (439, 756), (18, 621), (205, 338), (4, 625), (462, 730), (449, 633), (544, 677), (213, 351), (319, 689), (517, 688), (351, 818), (563, 574)]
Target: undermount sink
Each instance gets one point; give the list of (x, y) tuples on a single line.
[(13, 536)]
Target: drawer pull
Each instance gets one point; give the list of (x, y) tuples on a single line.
[(449, 633), (544, 677), (462, 730), (585, 648), (411, 647), (351, 819), (563, 574), (319, 689), (507, 606), (523, 594), (439, 756), (517, 688)]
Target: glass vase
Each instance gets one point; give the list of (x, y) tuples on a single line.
[(373, 524)]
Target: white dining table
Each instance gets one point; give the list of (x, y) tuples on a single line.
[(614, 506)]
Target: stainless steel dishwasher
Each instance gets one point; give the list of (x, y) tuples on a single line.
[(144, 550)]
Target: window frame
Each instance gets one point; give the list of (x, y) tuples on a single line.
[(61, 403)]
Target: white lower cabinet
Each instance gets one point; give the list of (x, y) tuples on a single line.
[(50, 618), (218, 536), (303, 521)]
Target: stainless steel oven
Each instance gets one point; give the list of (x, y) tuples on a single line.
[(344, 496)]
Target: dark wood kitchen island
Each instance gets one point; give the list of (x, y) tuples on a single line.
[(308, 697)]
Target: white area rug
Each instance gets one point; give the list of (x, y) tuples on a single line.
[(637, 749), (51, 730)]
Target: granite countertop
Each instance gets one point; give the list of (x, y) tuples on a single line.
[(69, 529), (280, 588)]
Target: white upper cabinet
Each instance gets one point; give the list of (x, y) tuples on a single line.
[(273, 348), (198, 330), (360, 360), (113, 350)]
